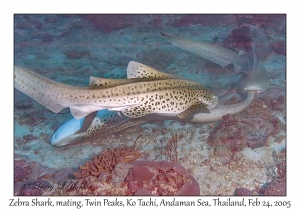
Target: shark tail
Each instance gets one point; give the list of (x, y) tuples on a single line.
[(38, 87)]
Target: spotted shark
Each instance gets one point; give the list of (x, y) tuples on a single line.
[(104, 123), (138, 95), (255, 80)]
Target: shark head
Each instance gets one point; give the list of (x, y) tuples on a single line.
[(255, 82), (72, 129), (68, 129), (257, 79), (214, 102)]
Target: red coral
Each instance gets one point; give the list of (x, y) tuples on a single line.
[(160, 178), (140, 174)]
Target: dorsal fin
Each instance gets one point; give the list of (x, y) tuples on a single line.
[(139, 70)]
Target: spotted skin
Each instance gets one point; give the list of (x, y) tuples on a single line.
[(111, 122), (171, 96), (169, 102)]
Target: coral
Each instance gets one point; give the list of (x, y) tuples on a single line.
[(140, 174), (160, 178), (137, 178), (250, 128), (107, 160)]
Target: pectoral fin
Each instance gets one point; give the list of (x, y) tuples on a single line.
[(87, 122), (79, 112), (193, 109)]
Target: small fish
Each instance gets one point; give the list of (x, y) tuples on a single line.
[(134, 97)]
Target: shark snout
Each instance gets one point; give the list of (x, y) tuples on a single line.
[(214, 102), (68, 129)]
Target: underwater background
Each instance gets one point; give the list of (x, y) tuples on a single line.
[(71, 48)]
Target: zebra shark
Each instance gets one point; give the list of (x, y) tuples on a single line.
[(138, 95), (104, 123)]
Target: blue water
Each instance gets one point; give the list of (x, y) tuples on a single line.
[(71, 48)]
